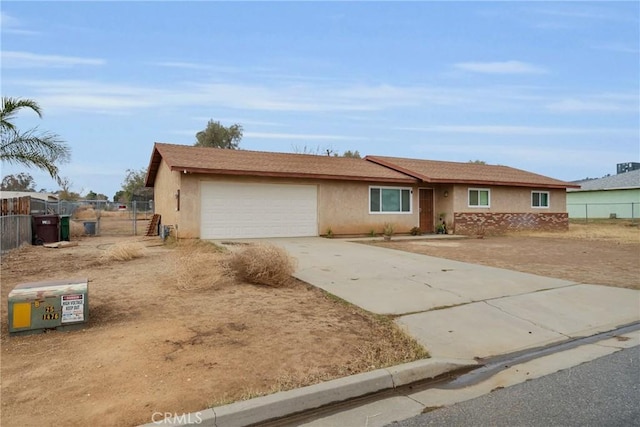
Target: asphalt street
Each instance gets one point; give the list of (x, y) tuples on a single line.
[(603, 392)]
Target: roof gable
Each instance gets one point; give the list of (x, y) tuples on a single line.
[(433, 171), (259, 163)]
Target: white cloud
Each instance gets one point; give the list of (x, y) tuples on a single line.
[(617, 47), (301, 136), (238, 120), (581, 12), (611, 103), (58, 96), (515, 130), (12, 25), (101, 104), (14, 59), (503, 67), (176, 64), (195, 66)]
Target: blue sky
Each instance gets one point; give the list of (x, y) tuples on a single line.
[(549, 87)]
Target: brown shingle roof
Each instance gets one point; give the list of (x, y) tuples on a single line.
[(258, 163), (467, 173)]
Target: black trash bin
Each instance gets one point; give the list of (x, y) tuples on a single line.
[(46, 229)]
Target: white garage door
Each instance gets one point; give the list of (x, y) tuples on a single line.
[(237, 210)]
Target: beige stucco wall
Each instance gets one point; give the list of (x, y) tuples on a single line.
[(343, 206), (443, 201), (510, 200), (166, 184)]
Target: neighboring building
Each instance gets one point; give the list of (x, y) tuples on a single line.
[(627, 167), (47, 197), (214, 193), (37, 203), (615, 196)]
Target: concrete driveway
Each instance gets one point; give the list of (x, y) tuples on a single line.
[(456, 309)]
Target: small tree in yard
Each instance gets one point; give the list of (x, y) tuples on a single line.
[(133, 187), (219, 136)]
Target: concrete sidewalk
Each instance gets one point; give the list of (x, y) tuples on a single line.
[(457, 309)]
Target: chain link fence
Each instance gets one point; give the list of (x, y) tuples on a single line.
[(592, 211), (87, 217), (113, 219)]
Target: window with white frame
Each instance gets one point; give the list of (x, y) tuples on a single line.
[(539, 199), (389, 200), (479, 198)]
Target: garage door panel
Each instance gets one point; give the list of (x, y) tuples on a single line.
[(239, 210)]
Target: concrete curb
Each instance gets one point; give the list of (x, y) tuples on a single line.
[(285, 403)]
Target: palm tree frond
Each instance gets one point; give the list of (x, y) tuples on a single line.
[(47, 144), (10, 108), (42, 150)]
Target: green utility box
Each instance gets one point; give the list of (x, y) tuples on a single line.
[(38, 306)]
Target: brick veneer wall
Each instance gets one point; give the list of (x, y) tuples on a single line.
[(495, 223)]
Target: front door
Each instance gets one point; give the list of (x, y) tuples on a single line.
[(426, 210)]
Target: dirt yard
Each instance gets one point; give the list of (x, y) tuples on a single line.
[(167, 334), (604, 253)]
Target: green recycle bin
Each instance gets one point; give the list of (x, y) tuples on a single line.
[(65, 227)]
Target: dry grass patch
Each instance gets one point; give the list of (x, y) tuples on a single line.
[(391, 346), (171, 349), (200, 265), (124, 252), (263, 264), (396, 347), (76, 229), (86, 212), (602, 252), (620, 231)]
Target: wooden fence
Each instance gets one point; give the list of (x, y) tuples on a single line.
[(15, 222), (15, 231), (15, 206)]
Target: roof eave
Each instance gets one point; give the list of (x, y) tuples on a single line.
[(430, 180), (152, 169), (291, 175), (502, 183), (606, 189)]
